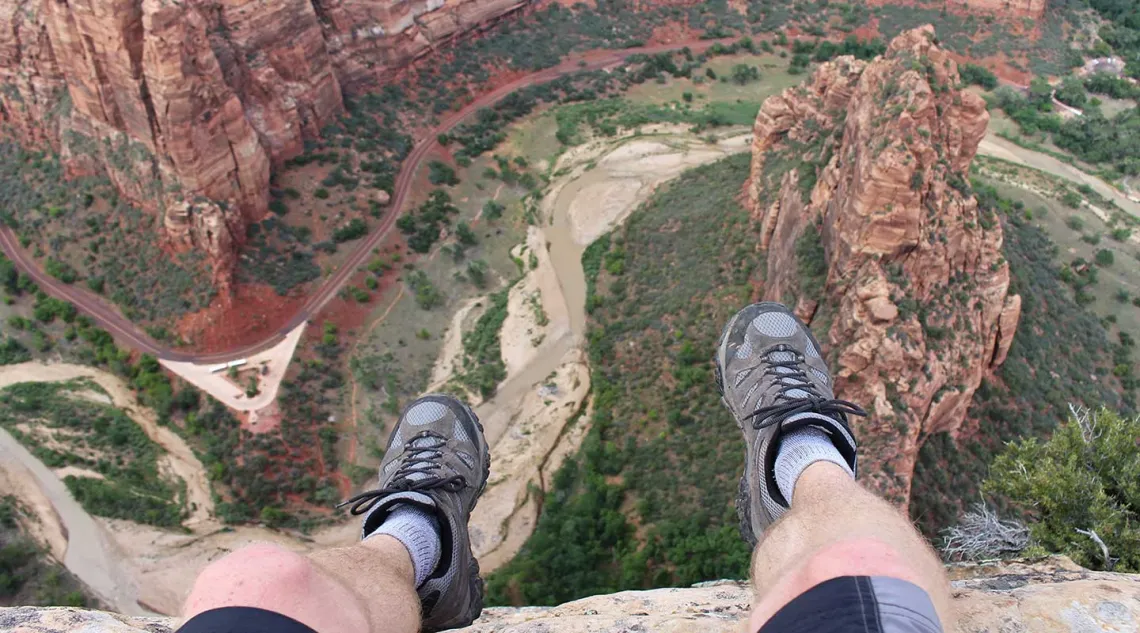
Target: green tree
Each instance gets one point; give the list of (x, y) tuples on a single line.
[(979, 75), (477, 273), (1072, 92), (743, 73), (1081, 486), (465, 234), (1040, 93), (440, 173), (492, 210)]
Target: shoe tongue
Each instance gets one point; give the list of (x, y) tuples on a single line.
[(811, 416), (381, 510)]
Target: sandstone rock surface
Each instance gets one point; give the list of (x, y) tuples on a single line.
[(1046, 596), (861, 175), (180, 102)]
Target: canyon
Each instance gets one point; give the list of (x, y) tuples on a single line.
[(187, 106)]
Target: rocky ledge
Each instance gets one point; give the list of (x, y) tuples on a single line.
[(1043, 596)]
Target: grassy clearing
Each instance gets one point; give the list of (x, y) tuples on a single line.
[(63, 428), (774, 78), (1083, 243)]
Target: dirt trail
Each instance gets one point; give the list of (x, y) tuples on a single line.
[(109, 318)]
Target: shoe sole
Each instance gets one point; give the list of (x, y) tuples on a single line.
[(744, 495), (477, 592)]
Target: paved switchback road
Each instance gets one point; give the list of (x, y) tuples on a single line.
[(126, 332)]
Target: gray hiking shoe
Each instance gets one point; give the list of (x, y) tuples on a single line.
[(773, 379), (436, 459)]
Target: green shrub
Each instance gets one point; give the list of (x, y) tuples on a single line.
[(60, 270), (1104, 258), (13, 352), (440, 173), (978, 75), (354, 230), (493, 210), (321, 193), (1071, 92), (1085, 479), (744, 73), (427, 295), (811, 263)]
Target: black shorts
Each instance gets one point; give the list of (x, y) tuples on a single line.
[(851, 604), (242, 620), (858, 604)]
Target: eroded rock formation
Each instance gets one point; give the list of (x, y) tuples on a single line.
[(186, 102), (1046, 596), (859, 183)]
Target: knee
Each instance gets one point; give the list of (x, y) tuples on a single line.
[(259, 575), (856, 557)]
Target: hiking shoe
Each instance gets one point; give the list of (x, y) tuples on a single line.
[(773, 379), (437, 460)]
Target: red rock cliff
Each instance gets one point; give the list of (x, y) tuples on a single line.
[(859, 182), (187, 104)]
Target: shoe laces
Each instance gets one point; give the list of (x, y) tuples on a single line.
[(418, 472), (788, 366)]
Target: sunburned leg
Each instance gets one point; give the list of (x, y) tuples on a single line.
[(836, 528), (365, 587)]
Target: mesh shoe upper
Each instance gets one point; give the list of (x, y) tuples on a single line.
[(773, 379), (436, 459)]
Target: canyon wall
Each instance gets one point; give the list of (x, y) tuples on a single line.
[(186, 105), (860, 187)]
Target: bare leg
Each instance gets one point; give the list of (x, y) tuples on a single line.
[(364, 587), (837, 528)]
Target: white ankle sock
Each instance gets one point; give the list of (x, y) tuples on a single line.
[(798, 450), (418, 530)]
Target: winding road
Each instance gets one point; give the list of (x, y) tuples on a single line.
[(126, 332)]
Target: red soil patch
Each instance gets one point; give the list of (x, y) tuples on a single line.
[(868, 31), (263, 420), (249, 315), (1000, 66), (348, 314), (672, 33)]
